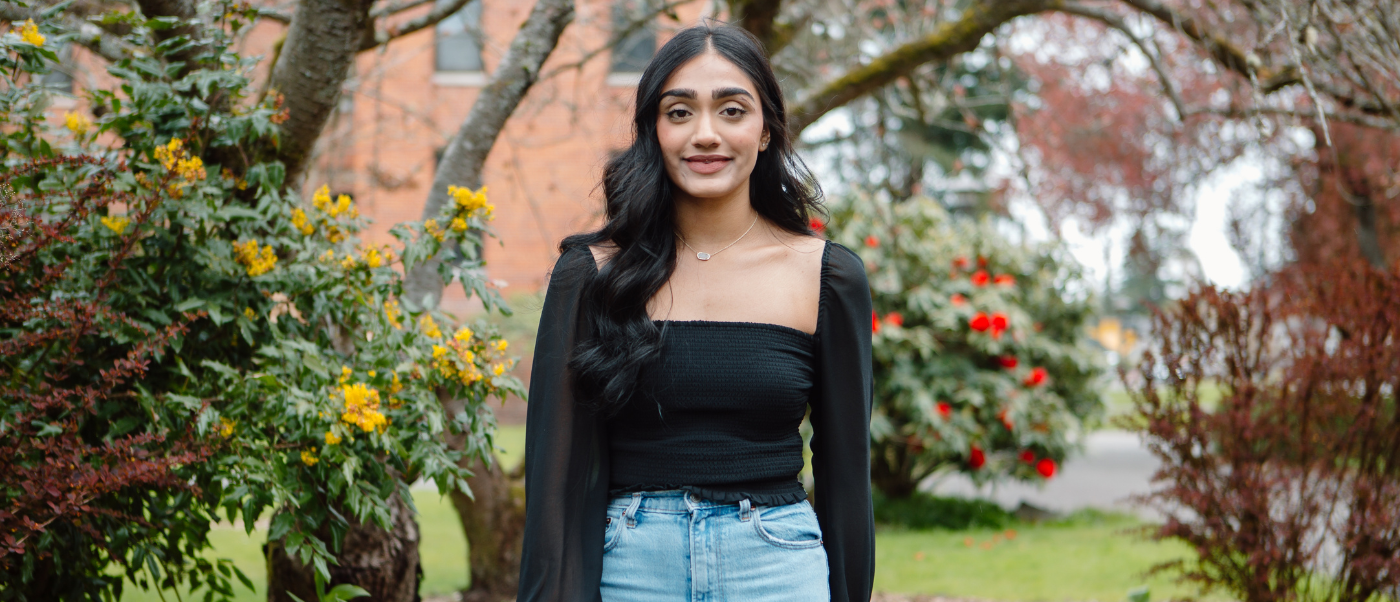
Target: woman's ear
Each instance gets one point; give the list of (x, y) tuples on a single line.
[(763, 141)]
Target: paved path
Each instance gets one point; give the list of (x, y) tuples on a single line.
[(1114, 465)]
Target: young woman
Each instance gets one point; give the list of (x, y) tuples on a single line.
[(680, 347)]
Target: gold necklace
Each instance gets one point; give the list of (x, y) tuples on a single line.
[(703, 256)]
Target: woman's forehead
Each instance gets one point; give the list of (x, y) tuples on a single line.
[(709, 76)]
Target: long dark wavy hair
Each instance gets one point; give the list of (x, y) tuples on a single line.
[(641, 216)]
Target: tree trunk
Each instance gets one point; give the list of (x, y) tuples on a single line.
[(493, 520), (383, 562)]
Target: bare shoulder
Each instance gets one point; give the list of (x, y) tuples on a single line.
[(602, 252), (801, 249)]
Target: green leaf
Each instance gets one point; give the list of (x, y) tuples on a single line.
[(46, 429), (345, 591)]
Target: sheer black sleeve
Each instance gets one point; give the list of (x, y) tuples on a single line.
[(566, 465), (841, 426)]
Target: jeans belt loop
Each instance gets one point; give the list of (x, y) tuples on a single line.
[(631, 513), (745, 510)]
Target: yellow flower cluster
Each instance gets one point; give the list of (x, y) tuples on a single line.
[(300, 222), (226, 427), (470, 204), (173, 157), (463, 358), (29, 32), (429, 327), (77, 123), (116, 223), (332, 438), (257, 262), (345, 374), (248, 313), (392, 312), (308, 457), (342, 204), (433, 229), (362, 408)]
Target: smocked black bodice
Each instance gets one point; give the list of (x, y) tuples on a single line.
[(717, 414)]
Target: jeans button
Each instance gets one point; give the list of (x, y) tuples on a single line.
[(692, 497)]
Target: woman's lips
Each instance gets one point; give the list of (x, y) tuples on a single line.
[(707, 164)]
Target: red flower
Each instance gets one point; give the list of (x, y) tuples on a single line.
[(998, 321), (1005, 280), (981, 261), (980, 322), (874, 322), (958, 299), (1046, 467), (894, 318), (817, 226), (1028, 456), (980, 278), (976, 458), (872, 241), (960, 262), (945, 410), (1036, 377), (1007, 361)]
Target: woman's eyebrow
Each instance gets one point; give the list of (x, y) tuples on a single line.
[(727, 92), (681, 93)]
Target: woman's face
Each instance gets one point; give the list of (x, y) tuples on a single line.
[(710, 127)]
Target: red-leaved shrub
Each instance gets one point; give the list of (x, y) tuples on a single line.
[(1289, 487)]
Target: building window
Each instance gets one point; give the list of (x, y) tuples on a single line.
[(457, 59), (632, 53)]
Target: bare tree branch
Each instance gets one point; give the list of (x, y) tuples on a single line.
[(272, 15), (465, 155), (618, 35), (760, 18), (1116, 22), (948, 40), (435, 16), (397, 7)]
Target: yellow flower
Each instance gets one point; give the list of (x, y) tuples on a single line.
[(248, 311), (258, 262), (395, 386), (433, 229), (362, 408), (345, 374), (300, 222), (372, 257), (171, 153), (342, 205), (322, 199), (502, 344), (226, 427), (29, 33), (499, 369), (117, 223), (372, 374), (392, 313), (348, 263), (463, 335), (308, 457), (459, 224), (77, 123), (429, 327), (331, 438), (191, 169), (334, 234), (329, 255)]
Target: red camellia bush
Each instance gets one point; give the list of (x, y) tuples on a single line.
[(969, 376)]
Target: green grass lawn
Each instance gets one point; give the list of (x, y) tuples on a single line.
[(1091, 556)]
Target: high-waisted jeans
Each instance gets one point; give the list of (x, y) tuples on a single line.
[(666, 546)]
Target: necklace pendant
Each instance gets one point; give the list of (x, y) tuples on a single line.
[(702, 256)]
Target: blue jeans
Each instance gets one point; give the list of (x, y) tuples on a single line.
[(669, 546)]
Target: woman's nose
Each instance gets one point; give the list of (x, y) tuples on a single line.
[(705, 134)]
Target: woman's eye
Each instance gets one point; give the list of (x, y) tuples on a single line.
[(733, 112), (677, 113)]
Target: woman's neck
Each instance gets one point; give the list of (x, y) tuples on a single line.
[(704, 223)]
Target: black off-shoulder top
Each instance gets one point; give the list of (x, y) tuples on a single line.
[(568, 448), (717, 414)]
